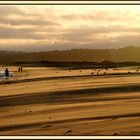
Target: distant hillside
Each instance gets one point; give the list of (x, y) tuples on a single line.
[(127, 54)]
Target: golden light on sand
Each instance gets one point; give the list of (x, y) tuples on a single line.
[(51, 101)]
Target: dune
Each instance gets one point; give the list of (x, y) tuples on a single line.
[(57, 102)]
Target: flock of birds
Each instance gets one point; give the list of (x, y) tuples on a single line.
[(115, 70), (105, 71), (102, 71)]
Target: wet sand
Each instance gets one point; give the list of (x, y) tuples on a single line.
[(50, 102)]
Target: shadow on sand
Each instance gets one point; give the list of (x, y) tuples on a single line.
[(71, 96)]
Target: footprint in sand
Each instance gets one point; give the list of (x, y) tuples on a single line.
[(115, 117), (30, 111), (115, 134), (47, 126), (69, 131)]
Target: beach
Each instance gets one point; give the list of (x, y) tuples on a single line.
[(47, 101)]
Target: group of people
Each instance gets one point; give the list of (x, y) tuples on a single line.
[(7, 73), (20, 69)]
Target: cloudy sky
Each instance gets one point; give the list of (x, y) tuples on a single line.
[(57, 27)]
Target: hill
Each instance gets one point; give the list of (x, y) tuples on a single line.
[(127, 54)]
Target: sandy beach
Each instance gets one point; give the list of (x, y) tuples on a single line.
[(58, 102)]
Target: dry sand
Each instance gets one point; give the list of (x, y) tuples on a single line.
[(50, 101)]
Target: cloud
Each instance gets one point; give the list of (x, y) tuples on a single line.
[(66, 27), (10, 10), (25, 20)]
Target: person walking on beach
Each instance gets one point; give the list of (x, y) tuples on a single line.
[(6, 73), (19, 69)]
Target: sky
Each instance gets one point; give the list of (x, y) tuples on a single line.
[(65, 27)]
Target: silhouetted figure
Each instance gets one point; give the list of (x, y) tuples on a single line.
[(19, 69), (6, 73)]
